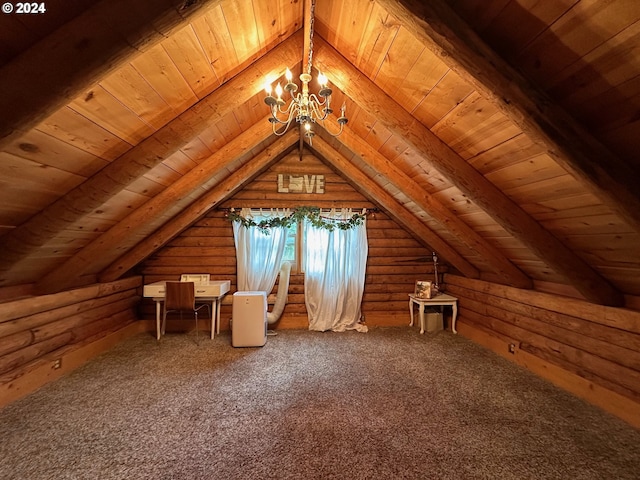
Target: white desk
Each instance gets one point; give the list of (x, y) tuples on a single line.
[(211, 291), (441, 300)]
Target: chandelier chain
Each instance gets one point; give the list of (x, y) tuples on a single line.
[(304, 107), (311, 26)]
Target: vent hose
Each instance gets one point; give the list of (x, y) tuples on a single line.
[(281, 296)]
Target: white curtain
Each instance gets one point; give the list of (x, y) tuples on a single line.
[(335, 263), (259, 255)]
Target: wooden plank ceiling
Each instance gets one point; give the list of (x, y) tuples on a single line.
[(504, 133)]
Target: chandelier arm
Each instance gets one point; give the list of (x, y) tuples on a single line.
[(320, 115), (290, 108), (290, 115), (284, 129), (330, 132), (314, 98), (289, 112)]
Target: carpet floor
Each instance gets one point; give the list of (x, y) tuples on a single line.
[(388, 404)]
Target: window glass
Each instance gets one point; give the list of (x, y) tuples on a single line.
[(291, 246)]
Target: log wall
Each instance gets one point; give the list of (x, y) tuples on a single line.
[(43, 337), (396, 259), (590, 350)]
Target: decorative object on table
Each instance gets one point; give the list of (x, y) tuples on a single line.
[(436, 287), (424, 289)]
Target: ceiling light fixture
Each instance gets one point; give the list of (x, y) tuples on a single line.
[(304, 107)]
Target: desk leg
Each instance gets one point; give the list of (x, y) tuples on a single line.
[(454, 317), (421, 310), (214, 306), (157, 319), (218, 308), (215, 317), (411, 312)]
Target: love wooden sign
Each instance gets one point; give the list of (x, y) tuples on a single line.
[(307, 183)]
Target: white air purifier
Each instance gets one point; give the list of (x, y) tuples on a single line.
[(249, 319)]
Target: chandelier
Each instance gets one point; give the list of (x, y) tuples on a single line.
[(304, 107)]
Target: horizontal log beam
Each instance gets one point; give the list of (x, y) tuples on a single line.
[(25, 355), (616, 377), (589, 337), (85, 308), (33, 305), (605, 333), (102, 326), (31, 376), (621, 318)]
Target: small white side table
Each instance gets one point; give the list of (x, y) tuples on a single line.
[(441, 300)]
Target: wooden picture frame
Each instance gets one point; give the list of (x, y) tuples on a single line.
[(423, 289)]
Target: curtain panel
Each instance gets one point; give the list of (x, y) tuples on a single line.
[(335, 264), (259, 254)]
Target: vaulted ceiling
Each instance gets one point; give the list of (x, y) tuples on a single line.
[(504, 134)]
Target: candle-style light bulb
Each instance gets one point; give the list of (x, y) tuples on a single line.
[(279, 90), (322, 79), (288, 75), (267, 89)]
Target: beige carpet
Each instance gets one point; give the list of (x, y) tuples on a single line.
[(388, 404)]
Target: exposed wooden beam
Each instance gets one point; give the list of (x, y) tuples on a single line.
[(81, 52), (110, 245), (544, 121), (381, 197), (198, 208), (507, 271), (477, 188), (120, 173)]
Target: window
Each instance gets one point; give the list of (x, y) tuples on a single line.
[(293, 247)]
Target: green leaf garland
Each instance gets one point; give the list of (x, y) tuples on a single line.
[(311, 214)]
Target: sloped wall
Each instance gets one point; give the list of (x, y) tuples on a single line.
[(590, 350), (43, 337), (396, 259)]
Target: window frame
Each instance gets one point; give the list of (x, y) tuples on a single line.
[(297, 263)]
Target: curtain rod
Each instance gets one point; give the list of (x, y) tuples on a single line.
[(229, 209)]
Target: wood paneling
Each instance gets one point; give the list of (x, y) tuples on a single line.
[(37, 331), (396, 259), (102, 101), (115, 112), (598, 345), (596, 82), (582, 52), (19, 32)]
